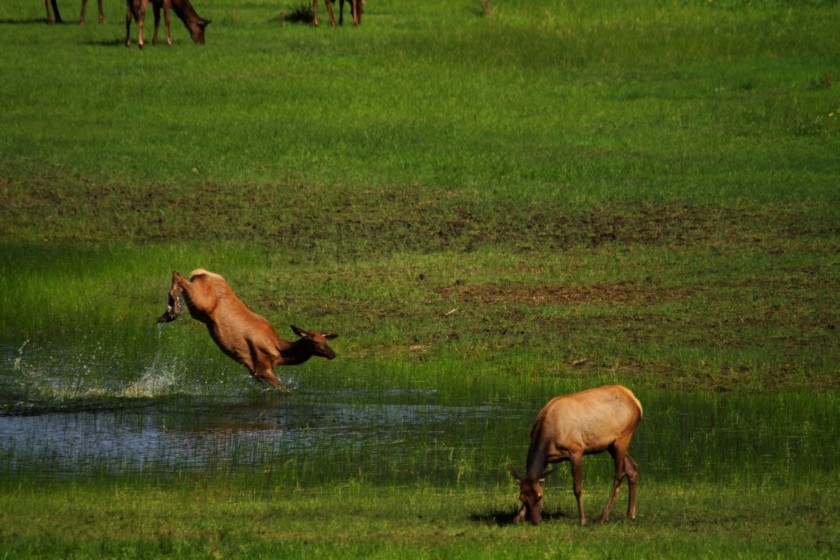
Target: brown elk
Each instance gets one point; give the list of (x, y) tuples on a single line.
[(355, 9), (241, 334), (194, 23), (571, 426), (57, 17)]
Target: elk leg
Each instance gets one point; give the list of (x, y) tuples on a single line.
[(156, 8), (632, 470), (618, 454), (167, 4), (577, 477), (329, 5), (128, 24), (268, 376), (355, 6), (174, 308), (262, 360), (54, 4), (521, 515), (140, 16)]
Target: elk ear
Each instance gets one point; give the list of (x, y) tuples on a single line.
[(298, 331), (514, 473), (330, 336)]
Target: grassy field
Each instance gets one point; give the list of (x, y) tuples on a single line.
[(489, 210), (215, 518)]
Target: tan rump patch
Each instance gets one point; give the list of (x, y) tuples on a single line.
[(202, 272)]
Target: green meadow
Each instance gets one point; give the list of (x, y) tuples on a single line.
[(492, 203)]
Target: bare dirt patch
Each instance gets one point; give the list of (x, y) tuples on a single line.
[(547, 295)]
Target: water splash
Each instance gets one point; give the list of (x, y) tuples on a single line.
[(16, 364), (54, 376)]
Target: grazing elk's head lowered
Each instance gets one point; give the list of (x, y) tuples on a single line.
[(571, 426), (194, 23), (240, 333)]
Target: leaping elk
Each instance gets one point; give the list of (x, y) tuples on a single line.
[(571, 426), (241, 334), (194, 23)]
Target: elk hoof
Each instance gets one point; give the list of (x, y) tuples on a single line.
[(168, 315)]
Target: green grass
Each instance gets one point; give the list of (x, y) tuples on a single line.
[(489, 210), (223, 518), (598, 102)]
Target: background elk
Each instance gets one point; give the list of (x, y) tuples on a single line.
[(57, 17), (241, 334), (355, 10), (571, 426), (194, 23)]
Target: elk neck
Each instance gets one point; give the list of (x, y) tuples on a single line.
[(293, 353), (537, 461)]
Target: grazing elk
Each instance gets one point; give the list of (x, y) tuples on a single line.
[(241, 334), (571, 426), (355, 9), (194, 23), (57, 18)]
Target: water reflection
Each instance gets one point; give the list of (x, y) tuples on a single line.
[(370, 433)]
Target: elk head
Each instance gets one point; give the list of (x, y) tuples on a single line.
[(197, 30), (315, 342), (531, 495)]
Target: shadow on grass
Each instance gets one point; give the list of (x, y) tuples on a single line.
[(42, 21), (118, 42), (506, 518), (298, 14)]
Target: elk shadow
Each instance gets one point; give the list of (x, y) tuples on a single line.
[(299, 14), (32, 21), (506, 518), (118, 42)]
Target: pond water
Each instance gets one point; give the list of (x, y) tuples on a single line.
[(183, 435), (67, 414), (64, 421)]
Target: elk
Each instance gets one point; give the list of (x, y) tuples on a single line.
[(571, 426), (194, 23), (57, 18), (241, 334), (355, 10)]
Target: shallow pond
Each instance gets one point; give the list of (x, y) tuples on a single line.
[(65, 419), (366, 438)]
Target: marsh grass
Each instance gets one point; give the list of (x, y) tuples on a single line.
[(676, 316)]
